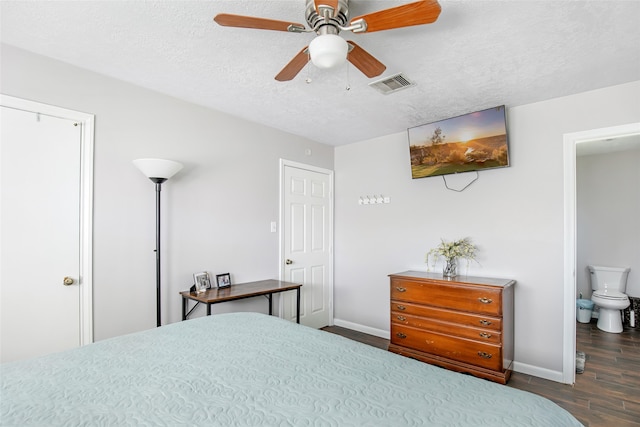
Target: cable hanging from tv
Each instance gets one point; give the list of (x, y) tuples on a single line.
[(463, 188)]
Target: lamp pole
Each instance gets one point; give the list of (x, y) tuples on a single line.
[(158, 182), (158, 171)]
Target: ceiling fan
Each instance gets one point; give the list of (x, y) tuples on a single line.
[(327, 18)]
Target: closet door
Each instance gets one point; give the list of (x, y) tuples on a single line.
[(41, 301)]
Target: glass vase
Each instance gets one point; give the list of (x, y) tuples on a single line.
[(450, 268)]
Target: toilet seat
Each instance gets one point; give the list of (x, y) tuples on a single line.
[(611, 303), (610, 295)]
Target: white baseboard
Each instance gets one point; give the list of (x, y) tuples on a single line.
[(362, 328), (537, 371)]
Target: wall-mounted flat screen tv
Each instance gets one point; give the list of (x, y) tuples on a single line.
[(470, 142)]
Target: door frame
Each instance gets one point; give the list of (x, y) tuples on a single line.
[(284, 163), (86, 122), (570, 140)]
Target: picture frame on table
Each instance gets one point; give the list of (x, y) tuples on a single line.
[(202, 281), (223, 280)]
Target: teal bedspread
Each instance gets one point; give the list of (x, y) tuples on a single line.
[(247, 369)]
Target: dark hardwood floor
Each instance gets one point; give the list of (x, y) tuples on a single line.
[(607, 393)]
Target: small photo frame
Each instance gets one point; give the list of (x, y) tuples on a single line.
[(223, 280), (202, 281)]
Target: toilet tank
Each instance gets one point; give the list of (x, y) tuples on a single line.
[(613, 278)]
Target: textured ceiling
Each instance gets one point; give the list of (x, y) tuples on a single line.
[(478, 54)]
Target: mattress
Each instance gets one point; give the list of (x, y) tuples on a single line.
[(248, 369)]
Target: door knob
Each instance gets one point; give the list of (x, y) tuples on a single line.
[(288, 261), (67, 281)]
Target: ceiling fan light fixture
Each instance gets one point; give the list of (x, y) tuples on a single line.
[(328, 51)]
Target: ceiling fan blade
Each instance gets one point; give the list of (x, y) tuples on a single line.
[(329, 3), (228, 20), (364, 61), (294, 66), (417, 13)]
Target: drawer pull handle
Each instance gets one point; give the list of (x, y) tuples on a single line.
[(485, 335), (401, 335), (402, 318), (485, 322), (485, 300), (401, 289), (402, 307), (484, 355)]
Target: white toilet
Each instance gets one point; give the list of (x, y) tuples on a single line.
[(609, 284)]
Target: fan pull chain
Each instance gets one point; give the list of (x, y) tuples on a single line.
[(308, 79), (348, 87)]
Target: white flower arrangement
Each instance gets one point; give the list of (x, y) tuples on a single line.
[(450, 251)]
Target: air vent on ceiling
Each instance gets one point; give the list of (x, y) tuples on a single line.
[(392, 84)]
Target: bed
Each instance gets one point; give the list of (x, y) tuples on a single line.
[(249, 369)]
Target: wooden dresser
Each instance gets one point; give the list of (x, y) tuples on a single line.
[(464, 324)]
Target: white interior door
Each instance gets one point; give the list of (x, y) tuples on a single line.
[(307, 240), (42, 238)]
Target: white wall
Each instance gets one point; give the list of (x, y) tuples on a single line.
[(216, 211), (608, 213), (514, 215)]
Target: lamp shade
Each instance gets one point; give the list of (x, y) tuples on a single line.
[(158, 168), (328, 51)]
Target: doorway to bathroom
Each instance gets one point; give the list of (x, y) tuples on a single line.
[(597, 143)]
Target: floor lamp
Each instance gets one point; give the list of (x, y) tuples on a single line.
[(158, 171)]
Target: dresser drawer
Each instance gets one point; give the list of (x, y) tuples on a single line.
[(456, 296), (479, 354), (460, 317), (453, 329)]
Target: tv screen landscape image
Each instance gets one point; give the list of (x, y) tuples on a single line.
[(466, 143)]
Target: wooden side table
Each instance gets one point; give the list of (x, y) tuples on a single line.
[(240, 291)]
